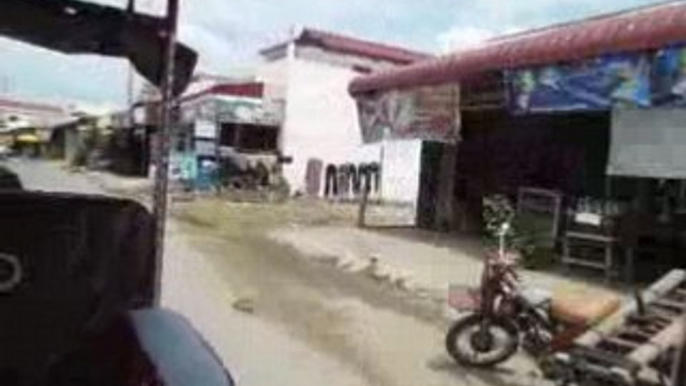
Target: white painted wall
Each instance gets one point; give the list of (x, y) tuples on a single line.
[(401, 168), (321, 122), (274, 74), (321, 119)]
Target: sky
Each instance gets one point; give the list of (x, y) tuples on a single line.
[(228, 33)]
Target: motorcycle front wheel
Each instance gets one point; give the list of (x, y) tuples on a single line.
[(475, 342)]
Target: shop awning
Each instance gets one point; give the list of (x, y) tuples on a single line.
[(639, 29), (648, 143)]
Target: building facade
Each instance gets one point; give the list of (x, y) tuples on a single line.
[(320, 133)]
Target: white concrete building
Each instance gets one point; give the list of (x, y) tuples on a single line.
[(310, 72), (20, 113)]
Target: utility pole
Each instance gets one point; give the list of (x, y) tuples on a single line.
[(160, 194), (217, 149), (130, 86)]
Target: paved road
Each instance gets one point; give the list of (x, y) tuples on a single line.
[(258, 353)]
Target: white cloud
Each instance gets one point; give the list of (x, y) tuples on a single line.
[(227, 34), (215, 52), (459, 38)]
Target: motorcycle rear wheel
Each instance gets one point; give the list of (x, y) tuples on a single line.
[(470, 328)]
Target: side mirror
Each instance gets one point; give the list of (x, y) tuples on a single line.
[(179, 354)]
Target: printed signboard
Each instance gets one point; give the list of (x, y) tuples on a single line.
[(428, 113), (597, 84)]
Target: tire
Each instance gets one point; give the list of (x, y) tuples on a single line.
[(463, 326)]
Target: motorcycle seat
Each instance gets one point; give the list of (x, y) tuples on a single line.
[(583, 309)]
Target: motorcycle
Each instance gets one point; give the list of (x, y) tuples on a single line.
[(502, 315)]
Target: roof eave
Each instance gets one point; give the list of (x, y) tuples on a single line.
[(643, 29)]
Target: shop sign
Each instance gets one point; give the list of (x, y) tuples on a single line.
[(204, 129), (247, 111), (205, 147), (597, 84), (426, 113), (232, 110)]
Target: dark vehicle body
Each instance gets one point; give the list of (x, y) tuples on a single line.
[(77, 298)]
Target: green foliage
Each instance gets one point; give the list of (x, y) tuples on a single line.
[(497, 210), (524, 236)]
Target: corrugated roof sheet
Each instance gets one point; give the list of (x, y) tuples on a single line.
[(354, 46), (361, 47), (634, 30), (248, 89)]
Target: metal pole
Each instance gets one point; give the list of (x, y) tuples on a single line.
[(130, 88), (160, 194), (217, 149)]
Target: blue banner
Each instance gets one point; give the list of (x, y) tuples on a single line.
[(596, 84), (669, 77)]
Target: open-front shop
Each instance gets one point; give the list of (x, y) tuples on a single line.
[(577, 130)]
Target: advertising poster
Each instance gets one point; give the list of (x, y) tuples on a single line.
[(427, 113), (597, 84)]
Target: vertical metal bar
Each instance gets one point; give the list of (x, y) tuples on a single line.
[(130, 90), (218, 149), (160, 194), (130, 9), (382, 166)]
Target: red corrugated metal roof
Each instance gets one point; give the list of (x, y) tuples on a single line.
[(349, 45), (354, 46), (250, 90), (639, 29)]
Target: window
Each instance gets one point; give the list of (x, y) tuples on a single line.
[(250, 138), (228, 134), (258, 138)]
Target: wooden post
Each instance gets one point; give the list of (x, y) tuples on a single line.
[(445, 197), (160, 194), (362, 210), (218, 149), (679, 370)]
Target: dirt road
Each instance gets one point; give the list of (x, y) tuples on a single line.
[(380, 331), (278, 319), (257, 352)]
